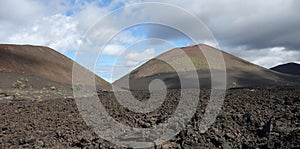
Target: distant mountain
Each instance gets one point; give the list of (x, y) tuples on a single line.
[(288, 68), (240, 73), (40, 65)]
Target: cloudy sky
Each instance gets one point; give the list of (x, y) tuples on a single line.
[(266, 33)]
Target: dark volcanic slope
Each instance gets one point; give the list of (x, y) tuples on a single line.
[(289, 68), (240, 73), (37, 63)]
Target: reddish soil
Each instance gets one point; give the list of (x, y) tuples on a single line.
[(37, 61), (240, 73)]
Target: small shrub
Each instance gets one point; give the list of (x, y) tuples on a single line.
[(234, 84), (78, 86), (19, 84), (2, 92)]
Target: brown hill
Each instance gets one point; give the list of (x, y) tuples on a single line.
[(240, 73), (289, 68), (39, 65)]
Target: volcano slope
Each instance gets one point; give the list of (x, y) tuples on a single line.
[(246, 112), (289, 68), (38, 73), (38, 67), (240, 73)]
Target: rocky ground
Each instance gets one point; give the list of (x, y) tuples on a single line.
[(250, 118)]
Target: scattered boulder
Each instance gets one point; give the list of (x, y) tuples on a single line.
[(266, 128), (53, 88)]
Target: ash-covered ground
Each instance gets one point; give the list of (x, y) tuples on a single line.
[(249, 118)]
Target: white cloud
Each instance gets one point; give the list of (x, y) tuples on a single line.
[(113, 50), (272, 35), (268, 57), (32, 22), (134, 58), (237, 23), (18, 11), (211, 43), (58, 32), (89, 16)]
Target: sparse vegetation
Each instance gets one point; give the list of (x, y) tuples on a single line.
[(78, 86), (48, 85), (234, 84), (3, 92), (19, 84), (38, 98), (184, 62), (24, 79)]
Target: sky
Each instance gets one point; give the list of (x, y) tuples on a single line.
[(265, 33)]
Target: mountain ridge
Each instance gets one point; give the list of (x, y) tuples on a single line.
[(288, 68), (240, 73), (40, 61)]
